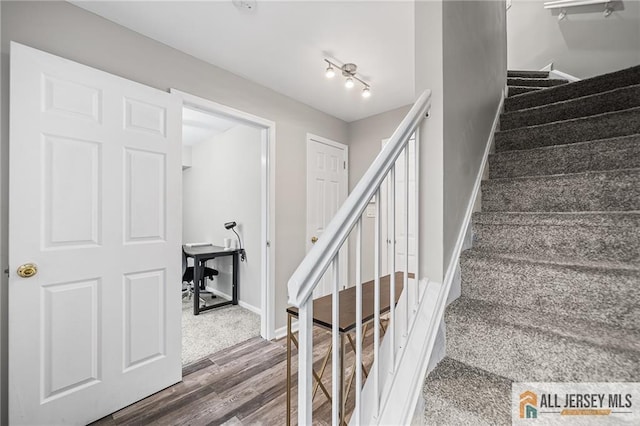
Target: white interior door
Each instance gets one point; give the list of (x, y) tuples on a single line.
[(326, 191), (95, 204), (400, 205)]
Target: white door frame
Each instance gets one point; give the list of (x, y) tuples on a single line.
[(268, 143), (344, 250)]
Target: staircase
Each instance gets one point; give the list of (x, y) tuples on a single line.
[(551, 287)]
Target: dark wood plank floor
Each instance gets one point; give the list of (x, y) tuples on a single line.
[(242, 385)]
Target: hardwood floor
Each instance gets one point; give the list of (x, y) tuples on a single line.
[(242, 385)]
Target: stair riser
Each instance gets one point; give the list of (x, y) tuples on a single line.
[(610, 125), (518, 90), (528, 74), (601, 155), (535, 82), (615, 100), (531, 355), (598, 191), (627, 77), (589, 294), (611, 244)]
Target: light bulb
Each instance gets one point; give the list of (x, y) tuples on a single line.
[(330, 72), (366, 92), (348, 83)]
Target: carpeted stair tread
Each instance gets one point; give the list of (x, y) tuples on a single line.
[(601, 83), (599, 155), (551, 288), (535, 82), (595, 291), (617, 190), (612, 237), (599, 103), (601, 126), (519, 90), (538, 346), (457, 394), (528, 74)]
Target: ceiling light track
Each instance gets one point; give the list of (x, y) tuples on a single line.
[(349, 72)]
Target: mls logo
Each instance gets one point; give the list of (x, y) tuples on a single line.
[(528, 405)]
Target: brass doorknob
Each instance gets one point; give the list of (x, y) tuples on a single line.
[(27, 270), (314, 239)]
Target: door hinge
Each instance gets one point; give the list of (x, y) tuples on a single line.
[(344, 164)]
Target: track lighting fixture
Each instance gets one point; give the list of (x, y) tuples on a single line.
[(348, 83), (330, 72), (349, 72)]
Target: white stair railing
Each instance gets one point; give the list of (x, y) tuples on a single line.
[(325, 252)]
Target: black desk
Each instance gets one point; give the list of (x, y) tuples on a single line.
[(200, 255)]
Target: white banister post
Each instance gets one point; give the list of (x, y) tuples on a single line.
[(392, 270), (405, 287), (305, 362), (416, 196), (336, 355), (358, 407), (376, 309)]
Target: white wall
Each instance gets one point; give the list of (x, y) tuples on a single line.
[(584, 44), (223, 185), (365, 137)]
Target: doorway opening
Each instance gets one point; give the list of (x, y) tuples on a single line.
[(226, 177)]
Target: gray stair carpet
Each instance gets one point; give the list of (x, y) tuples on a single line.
[(599, 103), (551, 286), (528, 74), (534, 82), (519, 90), (589, 86)]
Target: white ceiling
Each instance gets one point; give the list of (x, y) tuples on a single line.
[(282, 44), (198, 126)]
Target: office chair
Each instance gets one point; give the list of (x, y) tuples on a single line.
[(188, 279)]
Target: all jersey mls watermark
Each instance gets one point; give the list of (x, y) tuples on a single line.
[(575, 403)]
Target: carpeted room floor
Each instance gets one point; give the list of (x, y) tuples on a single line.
[(215, 330)]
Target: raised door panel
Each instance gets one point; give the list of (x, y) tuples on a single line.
[(145, 195), (144, 329), (71, 343), (72, 192)]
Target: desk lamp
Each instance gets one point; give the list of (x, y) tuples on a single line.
[(231, 225)]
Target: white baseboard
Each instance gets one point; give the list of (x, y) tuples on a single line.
[(548, 67), (282, 331), (563, 76), (240, 302), (553, 73)]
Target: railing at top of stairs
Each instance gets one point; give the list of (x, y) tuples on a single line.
[(325, 253)]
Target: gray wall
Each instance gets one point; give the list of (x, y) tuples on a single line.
[(429, 75), (206, 207), (583, 44), (475, 65), (68, 31), (365, 139)]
